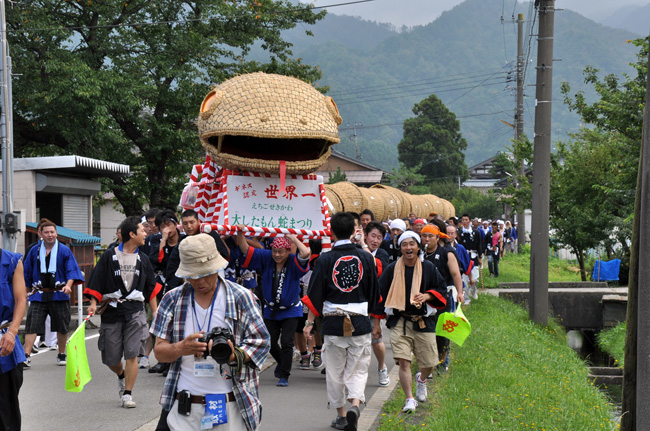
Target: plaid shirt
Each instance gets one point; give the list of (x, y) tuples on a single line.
[(246, 323)]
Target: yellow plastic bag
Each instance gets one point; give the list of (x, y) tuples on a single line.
[(454, 326)]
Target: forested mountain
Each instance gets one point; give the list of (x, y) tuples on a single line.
[(632, 18), (466, 58)]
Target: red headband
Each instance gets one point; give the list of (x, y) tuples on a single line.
[(281, 242)]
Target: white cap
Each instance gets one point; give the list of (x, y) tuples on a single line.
[(398, 223)]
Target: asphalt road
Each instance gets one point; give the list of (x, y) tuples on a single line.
[(46, 405)]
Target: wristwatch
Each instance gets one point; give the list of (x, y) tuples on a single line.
[(364, 246), (308, 324)]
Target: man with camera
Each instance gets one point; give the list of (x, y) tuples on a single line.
[(213, 334), (121, 283)]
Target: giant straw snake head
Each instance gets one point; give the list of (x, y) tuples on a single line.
[(252, 122)]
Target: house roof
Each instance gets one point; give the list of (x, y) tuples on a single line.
[(72, 165), (76, 238), (356, 161)]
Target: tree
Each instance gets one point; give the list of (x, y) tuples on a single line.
[(406, 179), (337, 177), (518, 191), (578, 216), (123, 81), (432, 141), (619, 113), (477, 204)]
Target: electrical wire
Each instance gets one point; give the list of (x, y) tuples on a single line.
[(372, 126), (416, 82), (430, 89), (416, 94)]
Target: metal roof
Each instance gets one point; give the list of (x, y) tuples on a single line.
[(357, 177), (76, 238), (481, 183), (72, 164)]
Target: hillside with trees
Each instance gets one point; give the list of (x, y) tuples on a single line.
[(466, 58)]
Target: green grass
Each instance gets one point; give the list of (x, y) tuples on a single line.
[(510, 374), (516, 267), (612, 341)]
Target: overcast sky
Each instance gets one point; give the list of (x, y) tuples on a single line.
[(420, 12)]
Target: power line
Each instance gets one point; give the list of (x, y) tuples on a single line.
[(471, 89), (416, 94), (399, 90), (184, 21), (373, 126), (417, 82)]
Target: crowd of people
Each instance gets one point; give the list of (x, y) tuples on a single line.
[(211, 308)]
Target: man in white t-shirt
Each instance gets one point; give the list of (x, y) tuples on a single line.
[(123, 280)]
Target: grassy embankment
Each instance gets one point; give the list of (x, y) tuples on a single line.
[(510, 374), (612, 341), (516, 267)]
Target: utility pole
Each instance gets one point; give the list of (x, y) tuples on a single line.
[(8, 228), (519, 126), (353, 137), (538, 297), (636, 375)]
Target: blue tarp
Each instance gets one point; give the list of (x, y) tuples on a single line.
[(606, 271)]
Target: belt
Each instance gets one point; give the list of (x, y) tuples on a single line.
[(200, 399), (419, 319), (50, 290), (348, 329)]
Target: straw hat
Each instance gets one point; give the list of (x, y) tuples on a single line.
[(199, 257), (252, 122)]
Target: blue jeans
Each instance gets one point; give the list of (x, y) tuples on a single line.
[(493, 264)]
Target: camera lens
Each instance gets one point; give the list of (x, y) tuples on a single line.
[(221, 350)]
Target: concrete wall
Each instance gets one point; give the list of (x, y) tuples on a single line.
[(110, 218), (24, 199)]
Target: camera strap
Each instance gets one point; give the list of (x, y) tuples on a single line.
[(214, 298)]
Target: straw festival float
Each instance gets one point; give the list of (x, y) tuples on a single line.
[(265, 135)]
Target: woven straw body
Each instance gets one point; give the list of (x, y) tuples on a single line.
[(330, 194), (385, 202), (252, 122), (376, 202), (351, 197)]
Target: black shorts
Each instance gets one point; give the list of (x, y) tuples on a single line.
[(303, 319), (59, 312)]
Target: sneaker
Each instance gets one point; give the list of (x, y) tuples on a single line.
[(35, 350), (121, 386), (282, 382), (474, 293), (339, 423), (42, 345), (158, 368), (410, 405), (304, 362), (61, 359), (317, 359), (352, 417), (28, 362), (143, 362), (420, 389), (127, 402), (54, 347), (383, 377)]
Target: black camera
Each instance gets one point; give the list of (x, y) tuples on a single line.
[(221, 350)]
